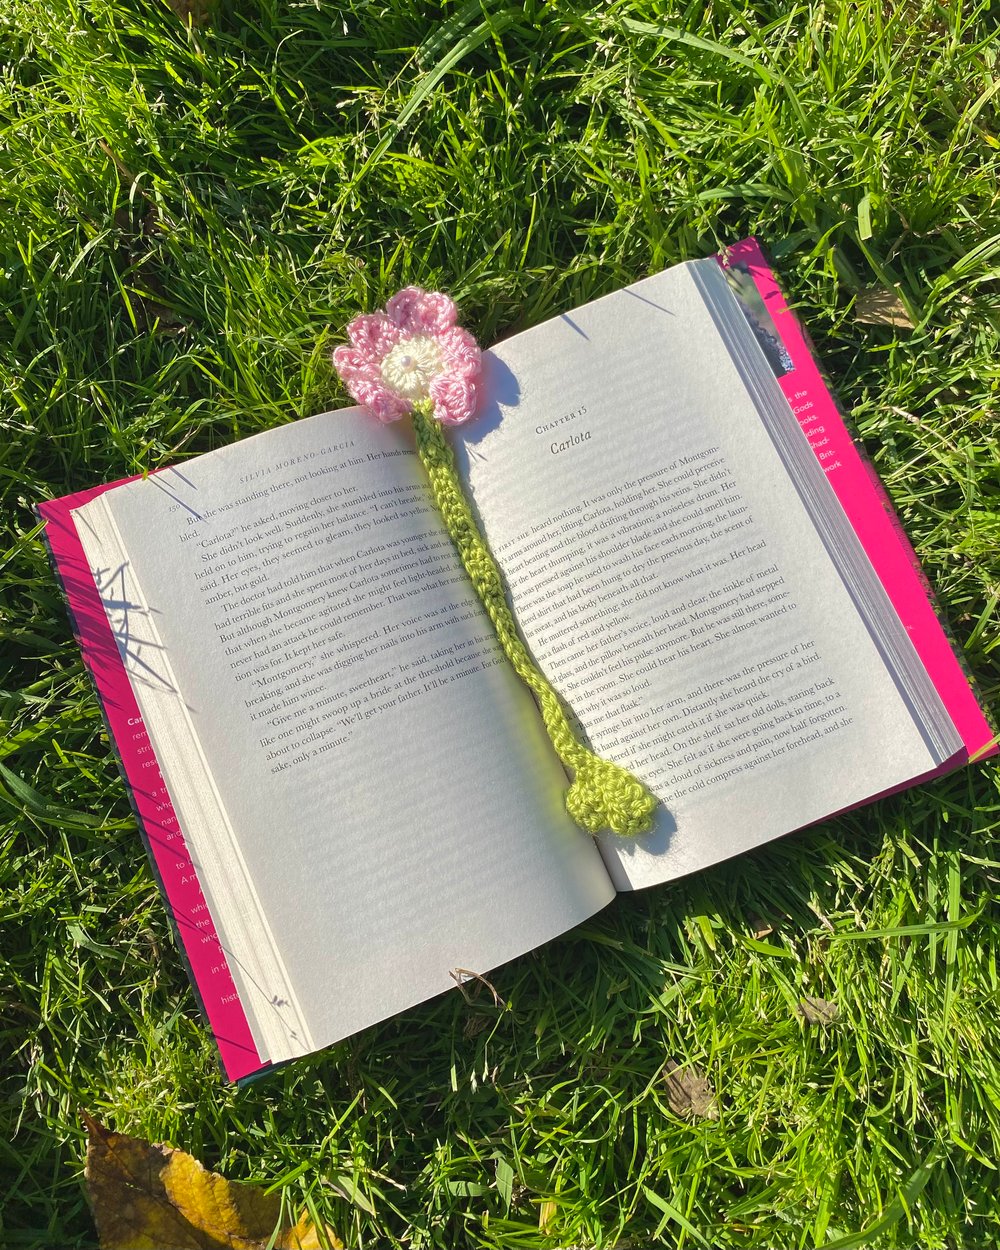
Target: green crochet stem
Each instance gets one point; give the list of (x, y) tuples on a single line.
[(602, 795)]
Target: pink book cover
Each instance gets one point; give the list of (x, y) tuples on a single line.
[(198, 940), (853, 478)]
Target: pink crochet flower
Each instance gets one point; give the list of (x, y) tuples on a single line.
[(411, 353)]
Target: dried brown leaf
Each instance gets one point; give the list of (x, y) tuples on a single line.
[(152, 315), (475, 1025), (689, 1092), (881, 306), (197, 12), (146, 1196), (818, 1010)]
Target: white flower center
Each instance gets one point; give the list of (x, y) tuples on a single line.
[(411, 366)]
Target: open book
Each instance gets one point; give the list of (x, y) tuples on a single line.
[(348, 794)]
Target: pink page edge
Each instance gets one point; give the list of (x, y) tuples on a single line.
[(866, 503), (200, 945)]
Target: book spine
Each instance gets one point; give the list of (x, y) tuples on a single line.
[(859, 490), (197, 938)]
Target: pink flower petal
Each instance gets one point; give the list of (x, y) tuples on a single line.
[(460, 352), (378, 399), (352, 363), (454, 398), (364, 383), (421, 312), (374, 335)]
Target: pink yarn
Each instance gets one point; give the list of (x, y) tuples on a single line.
[(454, 398), (373, 334), (411, 353), (421, 312), (461, 352)]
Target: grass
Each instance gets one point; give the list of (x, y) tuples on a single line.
[(189, 217)]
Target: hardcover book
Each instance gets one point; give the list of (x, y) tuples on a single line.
[(346, 793)]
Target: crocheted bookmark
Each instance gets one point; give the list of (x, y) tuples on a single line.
[(413, 358)]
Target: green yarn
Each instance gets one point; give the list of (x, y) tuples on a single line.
[(603, 795)]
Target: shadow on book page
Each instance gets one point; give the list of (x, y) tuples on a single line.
[(500, 390), (130, 624)]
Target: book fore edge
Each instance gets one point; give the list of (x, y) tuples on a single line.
[(255, 962), (834, 527)]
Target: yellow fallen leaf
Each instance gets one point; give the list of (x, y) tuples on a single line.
[(147, 1196)]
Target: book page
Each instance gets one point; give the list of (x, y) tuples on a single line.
[(671, 583), (365, 785)]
